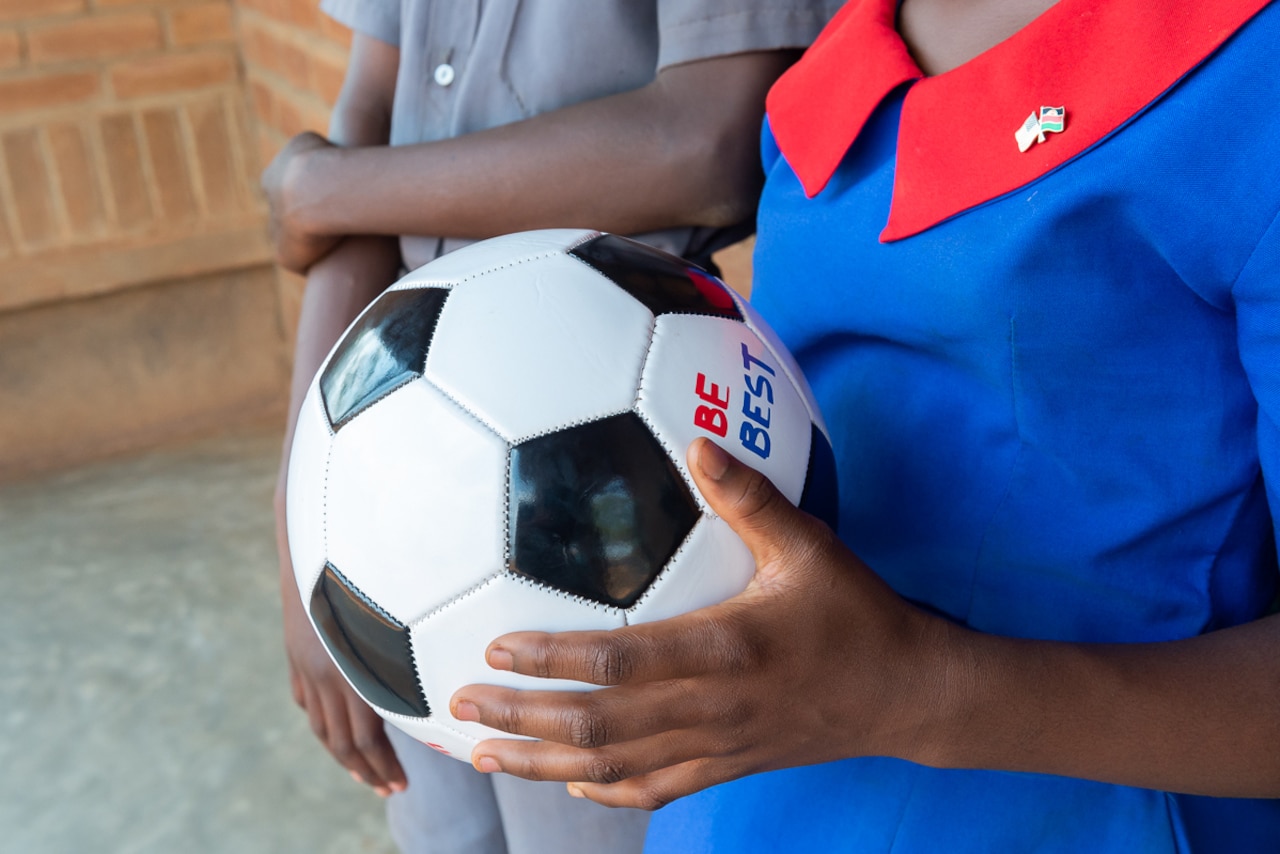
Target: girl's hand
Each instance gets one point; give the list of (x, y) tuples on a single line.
[(816, 660)]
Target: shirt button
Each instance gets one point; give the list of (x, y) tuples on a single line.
[(444, 74)]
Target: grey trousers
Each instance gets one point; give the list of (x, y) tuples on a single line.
[(450, 808)]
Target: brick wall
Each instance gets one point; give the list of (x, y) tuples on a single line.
[(295, 58), (138, 301), (124, 146), (128, 174)]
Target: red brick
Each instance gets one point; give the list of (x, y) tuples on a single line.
[(168, 158), (33, 193), (6, 242), (315, 116), (326, 68), (304, 13), (124, 170), (295, 112), (335, 32), (48, 90), (288, 116), (254, 43), (290, 62), (178, 72), (10, 49), (94, 38), (287, 60), (77, 178), (298, 15), (239, 124), (268, 48), (734, 262), (26, 10), (202, 24), (263, 100), (214, 156), (114, 4), (269, 143), (276, 9)]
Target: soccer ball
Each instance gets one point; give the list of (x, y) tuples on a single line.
[(498, 444)]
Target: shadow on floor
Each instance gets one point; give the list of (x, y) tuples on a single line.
[(144, 705)]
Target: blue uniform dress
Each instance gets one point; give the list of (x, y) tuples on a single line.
[(1052, 378)]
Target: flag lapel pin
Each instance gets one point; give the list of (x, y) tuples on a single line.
[(1047, 120)]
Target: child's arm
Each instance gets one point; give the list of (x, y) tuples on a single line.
[(682, 150), (338, 287)]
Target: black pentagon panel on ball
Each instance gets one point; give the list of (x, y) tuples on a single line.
[(370, 646), (597, 510), (664, 283), (821, 495), (386, 348)]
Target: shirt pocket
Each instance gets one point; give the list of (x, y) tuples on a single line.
[(559, 52)]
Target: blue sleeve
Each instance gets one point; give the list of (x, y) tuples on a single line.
[(769, 151), (1257, 299), (377, 18)]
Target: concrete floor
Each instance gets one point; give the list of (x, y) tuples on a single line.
[(144, 704)]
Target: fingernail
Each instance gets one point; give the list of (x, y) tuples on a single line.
[(713, 460), (487, 765), (383, 792), (574, 790), (398, 787), (500, 659), (465, 710), (356, 777)]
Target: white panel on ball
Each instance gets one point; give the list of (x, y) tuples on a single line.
[(436, 735), (713, 565), (712, 377), (405, 543), (449, 645), (477, 258), (305, 504), (541, 346), (789, 365)]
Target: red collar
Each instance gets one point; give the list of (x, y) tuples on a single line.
[(1105, 61)]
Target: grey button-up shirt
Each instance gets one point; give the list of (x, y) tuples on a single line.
[(469, 65)]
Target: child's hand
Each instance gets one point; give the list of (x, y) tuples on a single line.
[(344, 723), (816, 660), (296, 248)]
